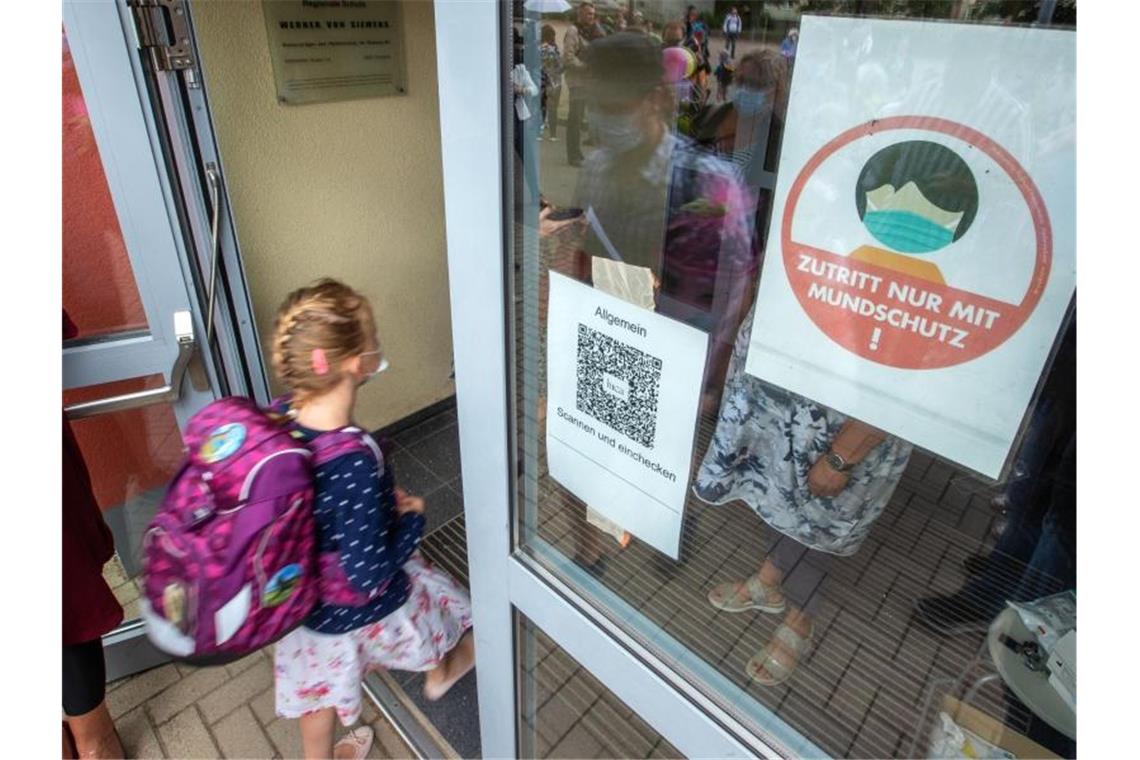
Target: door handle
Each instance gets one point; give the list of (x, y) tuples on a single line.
[(184, 332)]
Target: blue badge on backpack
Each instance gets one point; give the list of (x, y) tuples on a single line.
[(223, 442), (281, 585)]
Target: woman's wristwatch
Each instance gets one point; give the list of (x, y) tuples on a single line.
[(837, 462)]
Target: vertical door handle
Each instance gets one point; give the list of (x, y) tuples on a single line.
[(184, 332)]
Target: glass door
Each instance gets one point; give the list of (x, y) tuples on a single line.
[(522, 611), (812, 538), (133, 371)]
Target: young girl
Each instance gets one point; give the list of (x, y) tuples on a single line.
[(416, 617)]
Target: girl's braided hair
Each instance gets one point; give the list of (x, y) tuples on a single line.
[(326, 315)]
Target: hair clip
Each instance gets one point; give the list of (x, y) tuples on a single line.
[(320, 361)]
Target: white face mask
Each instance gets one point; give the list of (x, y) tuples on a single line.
[(619, 132)]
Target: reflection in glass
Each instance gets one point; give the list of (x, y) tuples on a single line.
[(130, 455), (93, 247), (566, 712), (834, 610)]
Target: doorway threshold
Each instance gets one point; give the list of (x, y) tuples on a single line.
[(415, 728), (425, 460)]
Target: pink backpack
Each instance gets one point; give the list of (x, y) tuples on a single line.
[(230, 561)]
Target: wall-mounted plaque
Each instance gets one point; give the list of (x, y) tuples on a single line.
[(326, 50)]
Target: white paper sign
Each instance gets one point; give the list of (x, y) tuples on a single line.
[(623, 387), (921, 256)]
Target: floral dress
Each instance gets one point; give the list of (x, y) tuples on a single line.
[(314, 670), (765, 443)]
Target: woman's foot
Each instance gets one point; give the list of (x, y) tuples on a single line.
[(748, 594), (354, 745), (779, 660), (456, 664)]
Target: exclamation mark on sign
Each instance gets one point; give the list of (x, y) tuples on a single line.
[(875, 334)]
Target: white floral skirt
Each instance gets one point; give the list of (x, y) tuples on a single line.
[(313, 670)]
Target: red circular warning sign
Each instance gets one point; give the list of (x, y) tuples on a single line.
[(883, 301)]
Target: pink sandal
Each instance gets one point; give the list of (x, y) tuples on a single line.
[(360, 739)]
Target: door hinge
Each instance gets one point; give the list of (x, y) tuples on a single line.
[(164, 31)]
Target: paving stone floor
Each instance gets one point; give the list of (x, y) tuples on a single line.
[(178, 711)]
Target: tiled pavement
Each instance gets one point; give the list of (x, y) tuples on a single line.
[(178, 711)]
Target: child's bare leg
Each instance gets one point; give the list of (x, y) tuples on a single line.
[(94, 734), (317, 733), (456, 664)]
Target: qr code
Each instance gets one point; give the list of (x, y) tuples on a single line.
[(618, 385)]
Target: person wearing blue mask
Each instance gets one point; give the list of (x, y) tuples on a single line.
[(656, 201), (759, 96)]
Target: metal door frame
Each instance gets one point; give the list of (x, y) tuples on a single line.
[(154, 156), (472, 96), (138, 183)]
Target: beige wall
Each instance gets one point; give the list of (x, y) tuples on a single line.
[(351, 190)]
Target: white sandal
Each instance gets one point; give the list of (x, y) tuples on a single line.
[(748, 594), (767, 661), (360, 739)]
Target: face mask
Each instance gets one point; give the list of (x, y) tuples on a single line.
[(383, 366), (906, 231), (618, 132), (748, 102)]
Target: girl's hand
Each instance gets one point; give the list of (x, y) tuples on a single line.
[(825, 480), (406, 503)]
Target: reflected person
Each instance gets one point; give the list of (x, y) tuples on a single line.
[(661, 209), (815, 476), (661, 202), (574, 45)]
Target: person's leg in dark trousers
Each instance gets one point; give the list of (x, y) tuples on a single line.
[(1028, 560), (574, 126), (802, 571), (1053, 568), (84, 703), (542, 125), (1053, 565), (731, 43), (554, 98), (798, 572)]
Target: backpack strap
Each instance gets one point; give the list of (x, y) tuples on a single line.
[(336, 443)]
